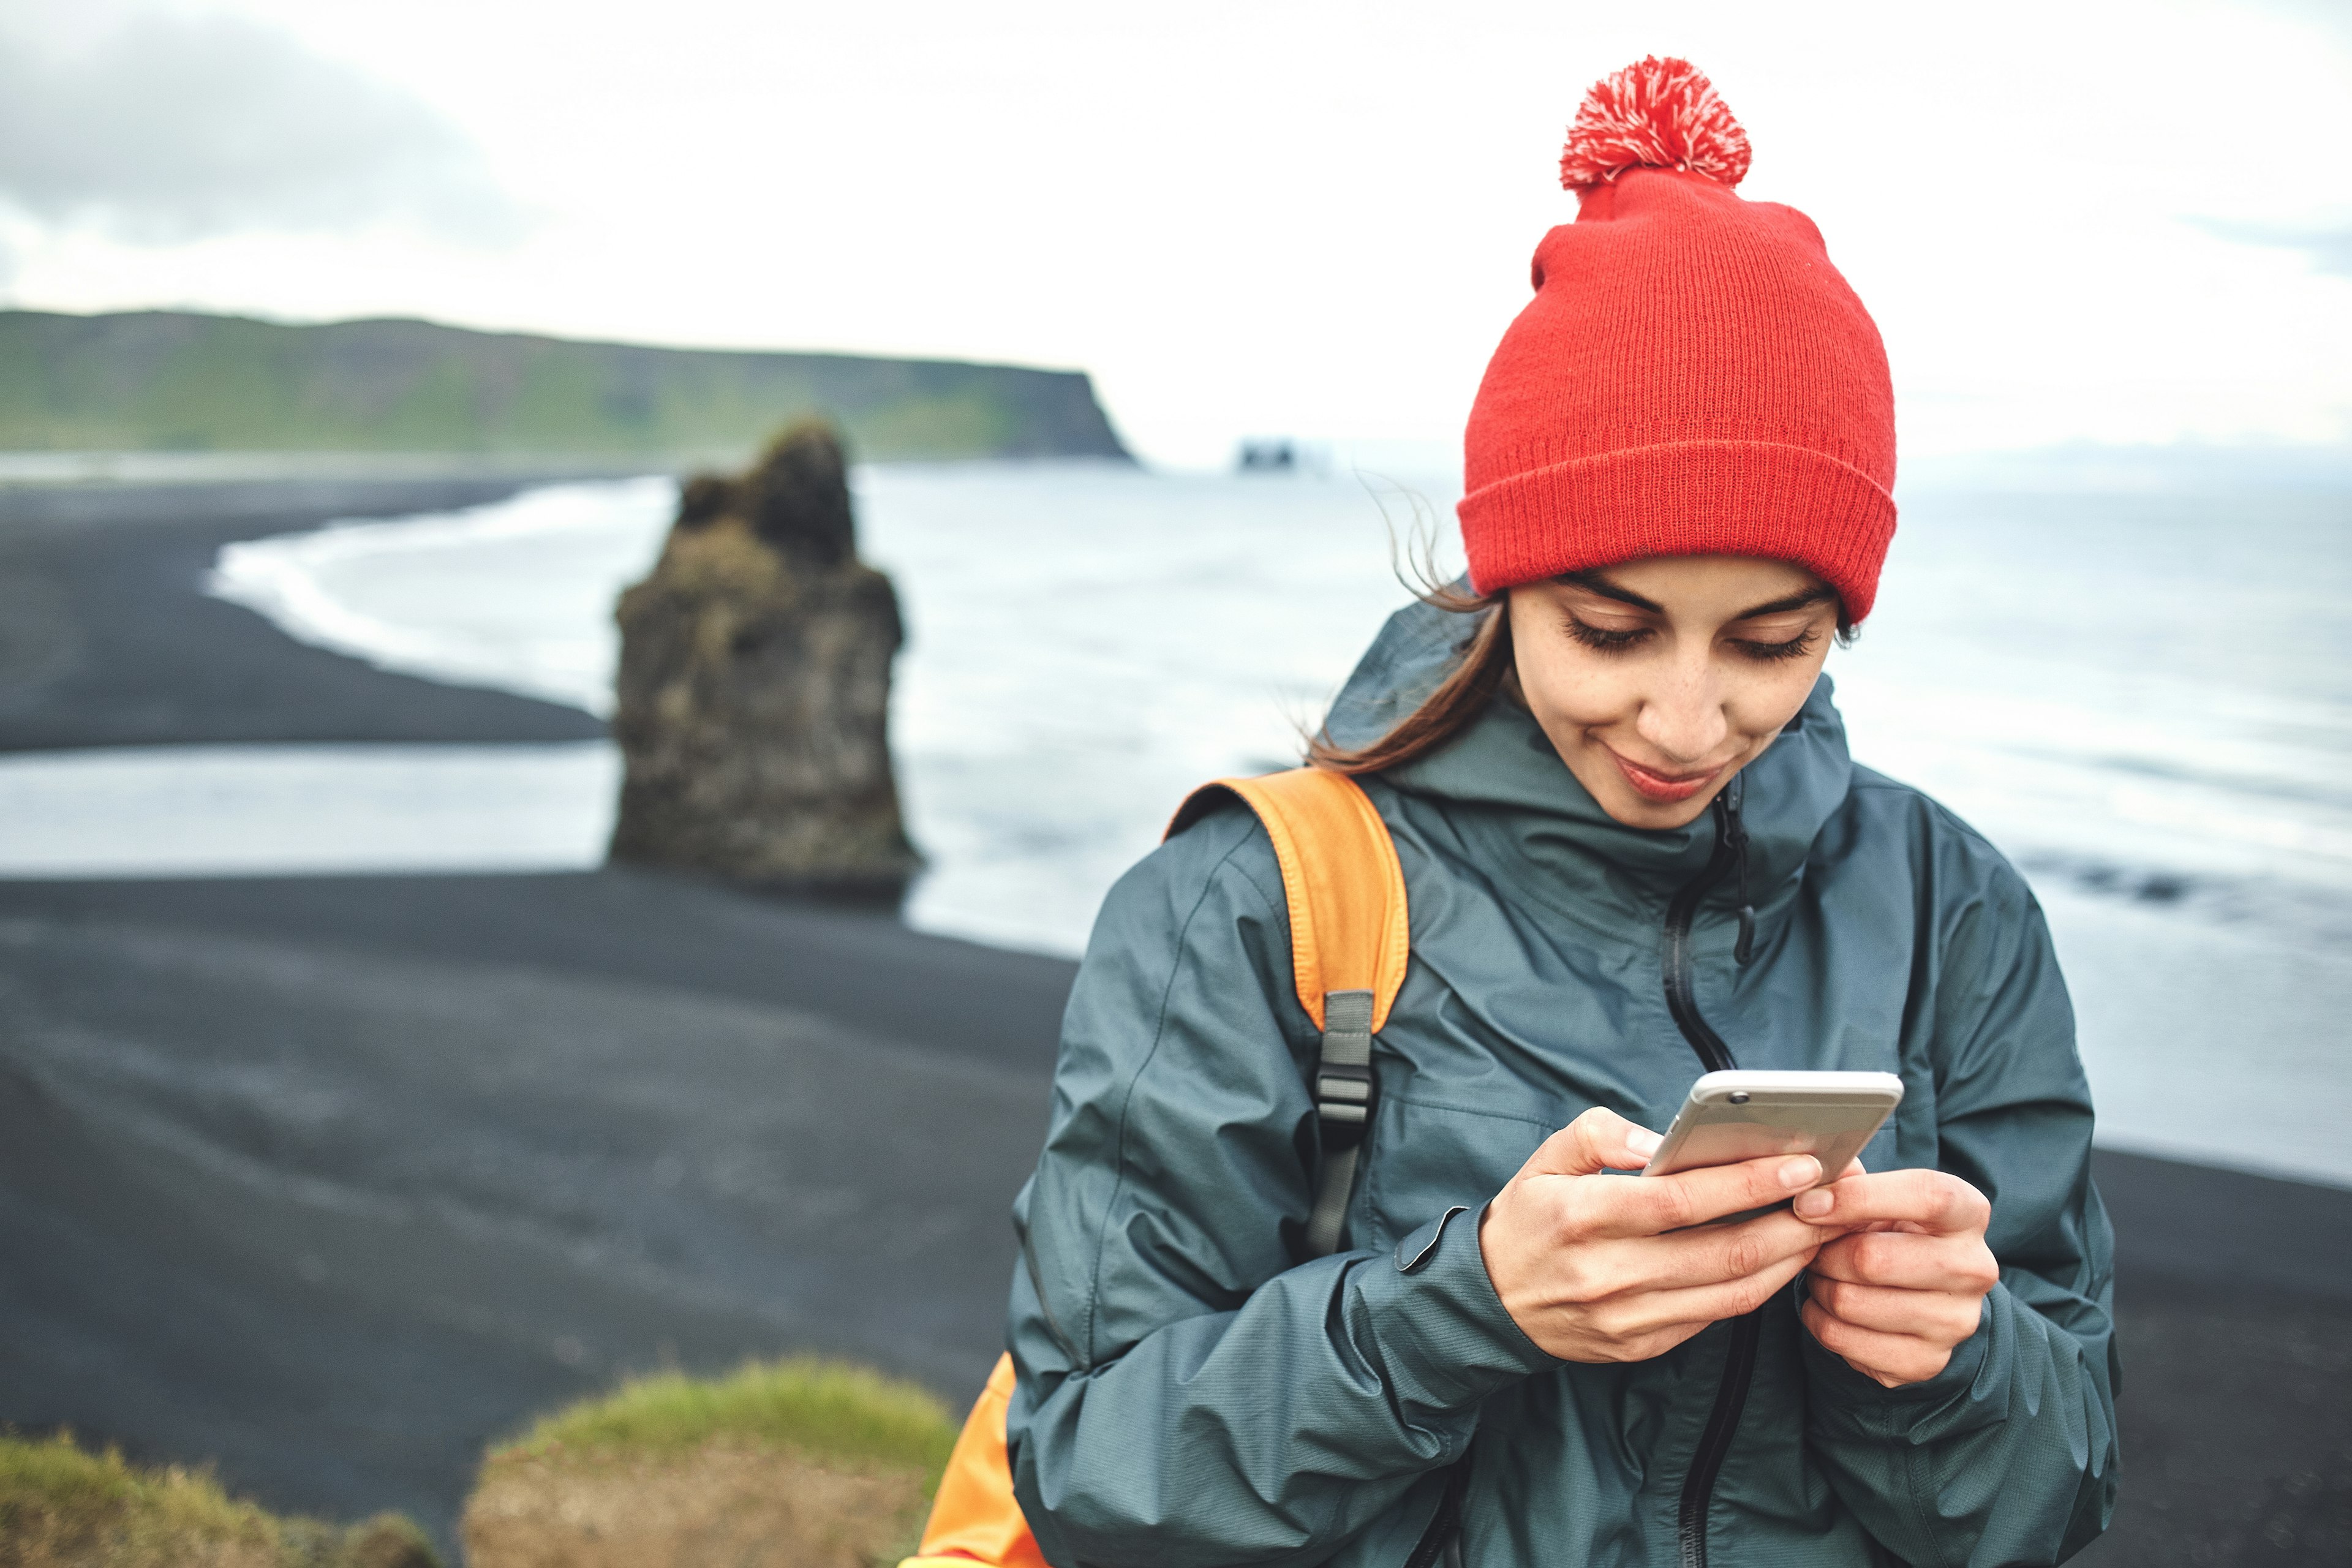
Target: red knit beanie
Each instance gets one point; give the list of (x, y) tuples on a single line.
[(1692, 378)]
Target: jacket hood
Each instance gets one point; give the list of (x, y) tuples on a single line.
[(1504, 761)]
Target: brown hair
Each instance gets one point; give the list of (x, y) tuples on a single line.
[(1481, 670)]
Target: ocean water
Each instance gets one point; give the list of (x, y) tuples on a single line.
[(2141, 691)]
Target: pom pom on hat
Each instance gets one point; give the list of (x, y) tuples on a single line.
[(1656, 114)]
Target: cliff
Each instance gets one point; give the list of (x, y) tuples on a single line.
[(170, 380)]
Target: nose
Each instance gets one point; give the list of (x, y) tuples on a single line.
[(1683, 719)]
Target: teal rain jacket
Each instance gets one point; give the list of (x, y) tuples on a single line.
[(1195, 1393)]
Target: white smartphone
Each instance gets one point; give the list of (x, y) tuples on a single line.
[(1729, 1117)]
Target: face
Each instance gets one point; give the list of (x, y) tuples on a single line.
[(1659, 680)]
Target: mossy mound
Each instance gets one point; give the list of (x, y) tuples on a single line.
[(62, 1506), (804, 1462)]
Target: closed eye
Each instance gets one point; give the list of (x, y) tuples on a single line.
[(1607, 639), (1774, 652)]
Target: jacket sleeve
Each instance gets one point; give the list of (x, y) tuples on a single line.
[(2009, 1455), (1191, 1392)]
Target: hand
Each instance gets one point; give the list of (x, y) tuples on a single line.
[(1597, 1268), (1906, 1282)]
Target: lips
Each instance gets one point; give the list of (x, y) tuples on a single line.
[(1663, 788)]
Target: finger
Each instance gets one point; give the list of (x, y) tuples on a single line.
[(1656, 1205), (1645, 1312), (1936, 1201), (1596, 1271), (1890, 1359), (1904, 1261), (1932, 1315), (1597, 1140)]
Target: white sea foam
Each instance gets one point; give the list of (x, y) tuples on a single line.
[(2145, 699), (517, 595)]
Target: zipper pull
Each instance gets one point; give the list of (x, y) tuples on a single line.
[(1745, 948)]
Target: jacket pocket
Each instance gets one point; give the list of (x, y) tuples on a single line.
[(1425, 1156)]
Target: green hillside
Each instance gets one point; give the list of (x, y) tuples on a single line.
[(176, 381)]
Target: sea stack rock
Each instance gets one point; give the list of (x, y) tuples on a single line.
[(754, 691)]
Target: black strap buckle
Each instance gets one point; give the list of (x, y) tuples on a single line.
[(1345, 1094)]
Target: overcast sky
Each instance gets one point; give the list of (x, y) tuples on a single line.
[(2073, 221)]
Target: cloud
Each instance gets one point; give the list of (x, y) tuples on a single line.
[(2329, 250), (176, 128)]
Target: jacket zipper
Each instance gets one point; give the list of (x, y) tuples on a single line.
[(1730, 855)]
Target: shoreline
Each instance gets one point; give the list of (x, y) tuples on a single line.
[(334, 1180)]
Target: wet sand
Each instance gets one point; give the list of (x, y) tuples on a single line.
[(332, 1181)]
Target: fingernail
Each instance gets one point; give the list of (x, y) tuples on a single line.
[(1801, 1172), (1643, 1142), (1815, 1203)]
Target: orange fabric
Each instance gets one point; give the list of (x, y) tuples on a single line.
[(1340, 876), (975, 1516), (1348, 932)]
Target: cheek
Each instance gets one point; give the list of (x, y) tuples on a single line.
[(1762, 699), (1569, 687)]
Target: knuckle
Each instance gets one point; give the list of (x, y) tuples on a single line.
[(1671, 1207), (1586, 1212), (1744, 1255), (1610, 1321), (1582, 1279), (1593, 1130)]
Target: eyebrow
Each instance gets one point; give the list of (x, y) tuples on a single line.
[(1805, 599), (1594, 583)]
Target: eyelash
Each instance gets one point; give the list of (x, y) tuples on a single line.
[(1775, 652), (1601, 639)]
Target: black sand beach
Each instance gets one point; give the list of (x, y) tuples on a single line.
[(333, 1180), (106, 640)]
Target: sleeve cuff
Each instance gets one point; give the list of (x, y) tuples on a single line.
[(1445, 1335)]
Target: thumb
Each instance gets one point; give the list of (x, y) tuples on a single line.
[(1599, 1140)]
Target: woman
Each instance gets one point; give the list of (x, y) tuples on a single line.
[(1634, 845)]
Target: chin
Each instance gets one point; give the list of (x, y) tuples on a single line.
[(1634, 810)]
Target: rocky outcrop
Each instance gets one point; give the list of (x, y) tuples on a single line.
[(754, 687)]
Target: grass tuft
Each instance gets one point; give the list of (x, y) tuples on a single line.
[(62, 1506), (832, 1413)]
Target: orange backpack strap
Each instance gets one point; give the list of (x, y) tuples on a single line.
[(1340, 877), (1349, 942)]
